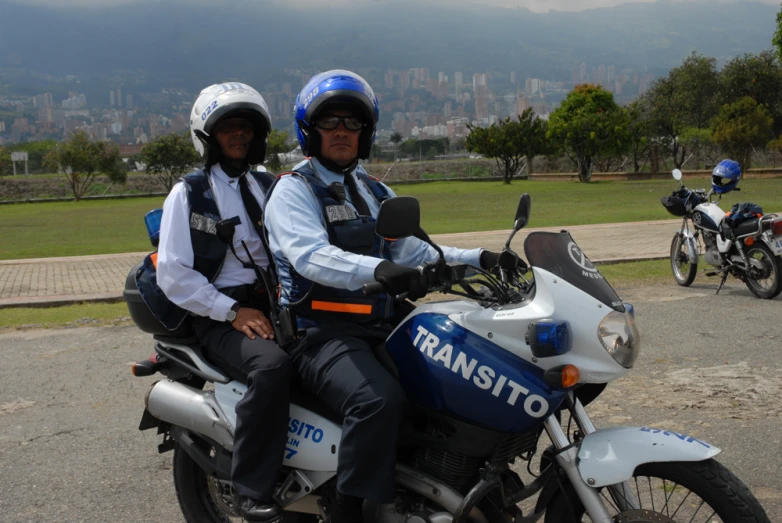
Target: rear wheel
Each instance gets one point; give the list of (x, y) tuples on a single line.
[(671, 492), (683, 271), (763, 277), (205, 499)]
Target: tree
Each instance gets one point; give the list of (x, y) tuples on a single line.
[(687, 97), (638, 124), (741, 126), (81, 159), (509, 141), (700, 143), (776, 41), (588, 124), (757, 76), (396, 139), (276, 145), (169, 157)]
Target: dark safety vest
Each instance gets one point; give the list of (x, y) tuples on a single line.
[(315, 303), (208, 250)]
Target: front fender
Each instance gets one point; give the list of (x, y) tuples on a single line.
[(692, 246), (610, 456)]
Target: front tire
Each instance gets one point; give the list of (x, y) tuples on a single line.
[(768, 282), (683, 271), (693, 492)]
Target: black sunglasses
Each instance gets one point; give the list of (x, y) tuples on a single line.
[(329, 123)]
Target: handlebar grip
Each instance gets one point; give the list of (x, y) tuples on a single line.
[(373, 288)]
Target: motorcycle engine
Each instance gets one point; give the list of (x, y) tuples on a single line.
[(712, 254)]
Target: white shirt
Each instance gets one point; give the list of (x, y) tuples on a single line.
[(297, 233), (186, 287)]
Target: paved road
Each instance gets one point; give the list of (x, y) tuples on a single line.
[(69, 408), (83, 278)]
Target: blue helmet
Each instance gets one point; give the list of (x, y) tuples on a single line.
[(335, 88), (725, 176)]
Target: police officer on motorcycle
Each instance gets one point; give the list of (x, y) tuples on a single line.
[(320, 220), (205, 273)]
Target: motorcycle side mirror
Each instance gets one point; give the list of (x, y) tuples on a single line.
[(677, 175), (398, 217), (522, 212), (522, 217)]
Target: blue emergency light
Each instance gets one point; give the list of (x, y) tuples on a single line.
[(548, 338)]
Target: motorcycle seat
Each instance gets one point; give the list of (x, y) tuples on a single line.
[(744, 228), (189, 353)]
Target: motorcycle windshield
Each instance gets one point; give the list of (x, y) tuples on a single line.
[(558, 253)]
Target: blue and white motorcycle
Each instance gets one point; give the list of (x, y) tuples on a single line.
[(487, 377)]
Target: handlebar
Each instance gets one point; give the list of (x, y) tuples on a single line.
[(373, 288)]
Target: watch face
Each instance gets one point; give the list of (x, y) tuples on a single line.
[(231, 316)]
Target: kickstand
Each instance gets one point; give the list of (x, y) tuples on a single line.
[(722, 282)]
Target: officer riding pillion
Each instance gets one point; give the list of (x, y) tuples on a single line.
[(212, 263), (320, 220)]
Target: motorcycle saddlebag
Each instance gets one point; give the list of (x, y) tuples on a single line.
[(141, 314)]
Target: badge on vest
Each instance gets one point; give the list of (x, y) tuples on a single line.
[(340, 213), (203, 224)]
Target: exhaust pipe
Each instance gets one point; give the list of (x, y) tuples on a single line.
[(193, 409)]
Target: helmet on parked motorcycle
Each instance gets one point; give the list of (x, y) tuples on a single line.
[(335, 89), (232, 99), (725, 176)]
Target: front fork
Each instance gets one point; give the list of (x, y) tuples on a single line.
[(692, 241), (567, 458)]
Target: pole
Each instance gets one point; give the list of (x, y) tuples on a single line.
[(14, 162), (420, 166)]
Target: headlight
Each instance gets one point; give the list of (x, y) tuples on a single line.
[(619, 336)]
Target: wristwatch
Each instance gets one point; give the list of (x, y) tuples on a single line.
[(231, 316)]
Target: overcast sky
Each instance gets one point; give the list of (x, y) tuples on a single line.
[(535, 5)]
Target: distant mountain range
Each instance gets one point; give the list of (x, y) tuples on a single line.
[(189, 44)]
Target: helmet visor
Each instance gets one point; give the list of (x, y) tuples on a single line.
[(329, 123)]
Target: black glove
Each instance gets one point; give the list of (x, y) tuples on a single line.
[(489, 259), (398, 280)]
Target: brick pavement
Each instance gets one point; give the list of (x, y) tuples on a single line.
[(55, 281)]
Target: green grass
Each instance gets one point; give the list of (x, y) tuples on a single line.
[(84, 314), (478, 206), (112, 226), (620, 275), (38, 230)]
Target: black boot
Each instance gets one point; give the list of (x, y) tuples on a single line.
[(347, 509), (254, 510)]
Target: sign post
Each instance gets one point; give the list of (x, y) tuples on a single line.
[(19, 156)]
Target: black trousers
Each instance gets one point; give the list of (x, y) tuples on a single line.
[(345, 374), (262, 415)]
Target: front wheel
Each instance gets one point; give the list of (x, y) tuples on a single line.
[(671, 492), (683, 271), (763, 278)]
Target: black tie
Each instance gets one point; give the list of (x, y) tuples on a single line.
[(355, 197), (251, 205)]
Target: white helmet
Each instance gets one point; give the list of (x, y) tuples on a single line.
[(217, 101)]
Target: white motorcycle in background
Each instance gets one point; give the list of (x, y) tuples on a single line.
[(749, 250), (486, 378)]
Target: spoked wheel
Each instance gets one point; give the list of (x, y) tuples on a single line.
[(683, 271), (763, 279), (699, 492)]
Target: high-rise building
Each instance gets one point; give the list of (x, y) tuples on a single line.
[(404, 79), (129, 101), (287, 89), (458, 78), (2, 127), (42, 100), (611, 74), (388, 79), (119, 96), (583, 76), (112, 98), (479, 80)]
